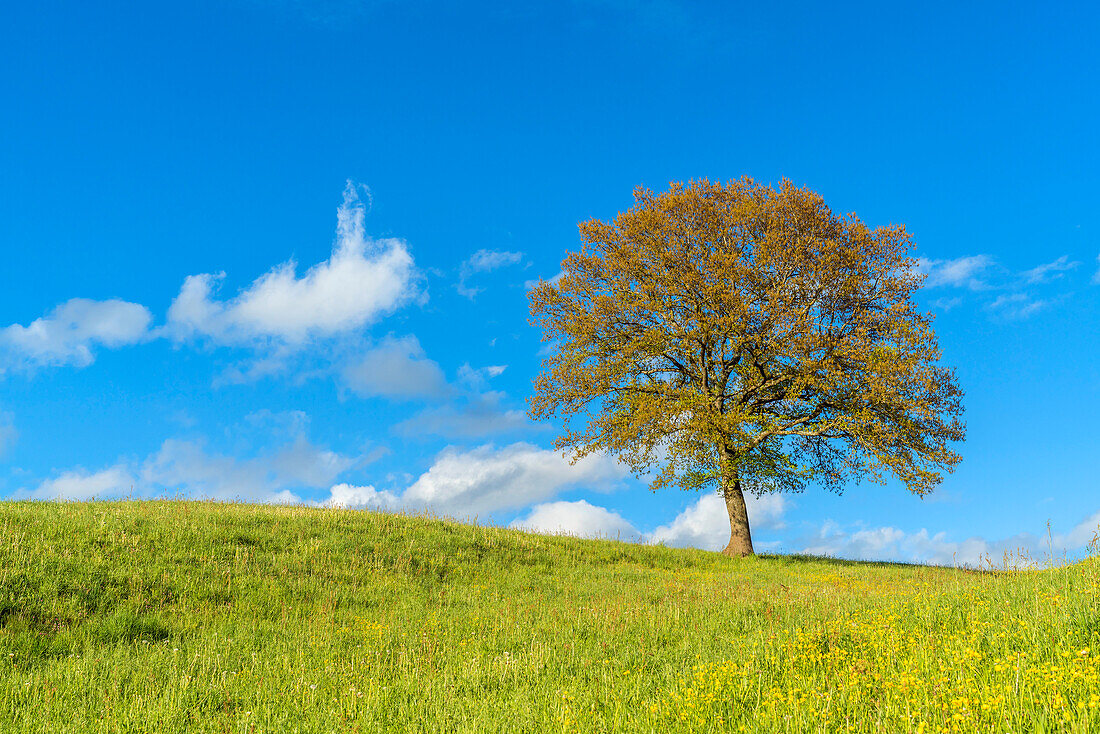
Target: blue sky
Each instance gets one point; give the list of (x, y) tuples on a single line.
[(195, 301)]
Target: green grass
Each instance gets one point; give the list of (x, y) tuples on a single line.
[(197, 617)]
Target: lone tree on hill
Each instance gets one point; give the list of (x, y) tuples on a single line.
[(746, 338)]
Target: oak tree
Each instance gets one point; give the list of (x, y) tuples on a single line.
[(744, 338)]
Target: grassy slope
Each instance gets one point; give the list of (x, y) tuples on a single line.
[(174, 617)]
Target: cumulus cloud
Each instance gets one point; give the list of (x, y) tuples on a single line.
[(472, 416), (396, 368), (362, 280), (960, 272), (487, 479), (706, 524), (79, 484), (70, 333), (348, 496), (483, 261), (576, 518), (1049, 271)]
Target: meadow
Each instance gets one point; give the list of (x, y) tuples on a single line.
[(203, 617)]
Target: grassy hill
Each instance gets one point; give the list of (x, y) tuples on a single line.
[(196, 617)]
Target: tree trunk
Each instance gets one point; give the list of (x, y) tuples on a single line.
[(740, 540)]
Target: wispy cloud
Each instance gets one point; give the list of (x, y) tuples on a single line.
[(963, 272), (1007, 295), (1015, 305), (1050, 271), (529, 284), (1096, 275), (474, 415), (483, 261), (71, 333), (397, 368)]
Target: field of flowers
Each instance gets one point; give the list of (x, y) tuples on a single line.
[(195, 617)]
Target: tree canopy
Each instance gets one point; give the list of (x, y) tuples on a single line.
[(743, 337)]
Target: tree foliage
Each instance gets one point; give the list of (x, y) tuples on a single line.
[(739, 333)]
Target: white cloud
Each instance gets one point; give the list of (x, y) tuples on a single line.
[(706, 524), (576, 518), (396, 368), (363, 279), (70, 333), (486, 479), (1050, 271), (960, 272), (366, 498), (483, 261), (79, 484), (476, 416)]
